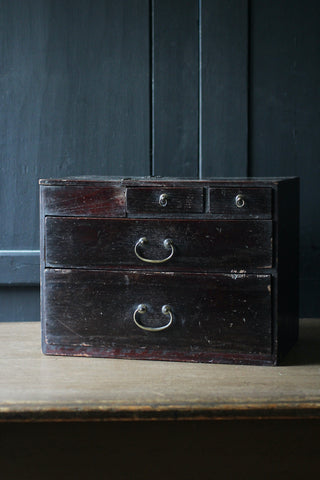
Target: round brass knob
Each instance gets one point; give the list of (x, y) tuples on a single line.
[(240, 201), (163, 200)]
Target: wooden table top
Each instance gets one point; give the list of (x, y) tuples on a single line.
[(35, 387)]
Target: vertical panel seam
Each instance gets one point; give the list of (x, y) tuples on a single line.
[(249, 100), (200, 90), (151, 54)]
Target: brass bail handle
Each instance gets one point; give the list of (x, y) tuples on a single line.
[(168, 245), (142, 309)]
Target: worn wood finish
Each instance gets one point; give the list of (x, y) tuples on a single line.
[(177, 200), (155, 182), (81, 201), (205, 245), (257, 202), (38, 387), (211, 314), (96, 268)]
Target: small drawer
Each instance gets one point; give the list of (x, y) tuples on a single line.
[(155, 315), (141, 200), (83, 201), (241, 202), (210, 245)]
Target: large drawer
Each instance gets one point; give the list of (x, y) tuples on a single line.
[(211, 245), (95, 312)]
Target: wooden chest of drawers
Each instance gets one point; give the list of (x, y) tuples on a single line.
[(155, 268)]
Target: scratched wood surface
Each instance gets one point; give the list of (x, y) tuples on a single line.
[(216, 318), (36, 387), (92, 242)]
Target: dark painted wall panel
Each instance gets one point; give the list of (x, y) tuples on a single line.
[(20, 267), (74, 99), (175, 96), (224, 87), (285, 116), (20, 304)]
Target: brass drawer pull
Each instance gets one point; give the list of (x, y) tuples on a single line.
[(240, 201), (142, 309), (167, 245)]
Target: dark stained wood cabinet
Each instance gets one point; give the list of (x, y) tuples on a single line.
[(156, 268)]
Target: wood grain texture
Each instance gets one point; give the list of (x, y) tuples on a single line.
[(80, 201), (142, 200), (257, 202), (224, 74), (98, 180), (212, 315), (200, 245), (37, 387), (100, 266), (175, 88)]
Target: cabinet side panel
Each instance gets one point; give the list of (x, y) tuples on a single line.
[(42, 260), (287, 252)]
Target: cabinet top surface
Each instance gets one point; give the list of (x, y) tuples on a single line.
[(38, 387), (128, 181)]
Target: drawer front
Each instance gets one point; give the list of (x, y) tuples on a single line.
[(241, 202), (82, 201), (206, 313), (211, 245), (144, 200)]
